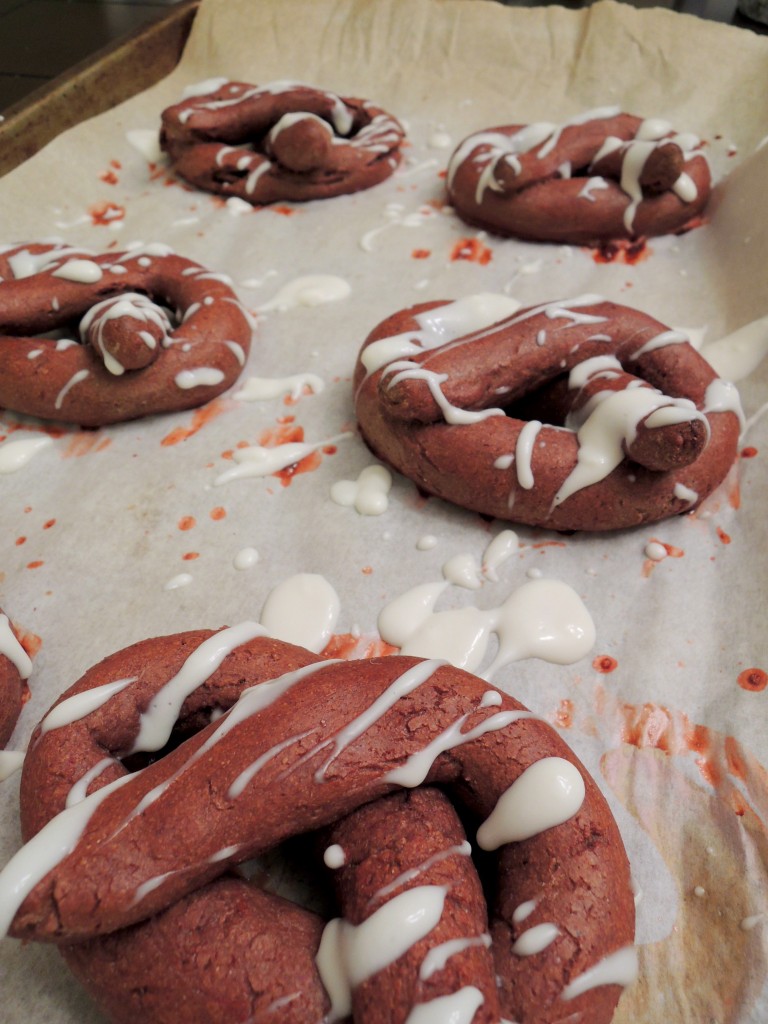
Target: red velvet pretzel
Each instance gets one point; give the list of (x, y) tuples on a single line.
[(602, 176), (15, 667), (139, 333), (280, 141), (307, 745), (640, 427)]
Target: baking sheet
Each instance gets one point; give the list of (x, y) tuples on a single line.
[(99, 523)]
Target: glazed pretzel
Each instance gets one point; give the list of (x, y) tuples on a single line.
[(650, 430), (15, 668), (602, 176), (140, 332), (291, 743), (280, 141)]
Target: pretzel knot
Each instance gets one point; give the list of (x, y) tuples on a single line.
[(133, 878), (15, 667), (599, 177), (283, 141), (97, 339), (572, 415)]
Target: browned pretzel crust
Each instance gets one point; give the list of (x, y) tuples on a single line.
[(309, 744), (139, 333), (595, 179), (279, 142), (673, 426)]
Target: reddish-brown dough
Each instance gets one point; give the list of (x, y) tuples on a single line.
[(528, 197), (68, 380), (12, 690), (228, 141), (519, 364), (577, 871)]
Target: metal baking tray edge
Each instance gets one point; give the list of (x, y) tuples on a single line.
[(113, 74)]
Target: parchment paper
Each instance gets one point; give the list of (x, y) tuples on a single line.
[(97, 524)]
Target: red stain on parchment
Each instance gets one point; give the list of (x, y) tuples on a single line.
[(84, 442), (218, 513), (200, 417), (604, 663), (106, 213), (754, 679), (20, 541), (351, 647), (190, 556), (564, 714), (748, 453), (473, 250), (187, 522), (724, 538), (109, 177), (49, 523), (421, 254), (284, 211), (36, 564)]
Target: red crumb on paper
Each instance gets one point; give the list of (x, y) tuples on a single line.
[(218, 513), (421, 254), (621, 252), (109, 177), (748, 453), (604, 663), (284, 211), (36, 564), (754, 679), (20, 541), (187, 522), (351, 647), (49, 523), (724, 538), (200, 417), (31, 642), (106, 213), (190, 556), (564, 714), (367, 570), (472, 249)]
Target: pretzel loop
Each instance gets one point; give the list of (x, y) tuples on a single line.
[(602, 176), (573, 415), (283, 141), (290, 743), (98, 339)]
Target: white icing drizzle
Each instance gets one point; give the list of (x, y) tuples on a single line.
[(368, 495), (438, 956), (415, 769), (456, 1008), (81, 271), (334, 857), (548, 793), (349, 954), (312, 290), (406, 370), (619, 968), (302, 610), (202, 376), (12, 649), (248, 774), (79, 791), (426, 542), (592, 185), (535, 940), (261, 389), (80, 705), (245, 558), (14, 455), (10, 763), (655, 551), (76, 378), (256, 460), (462, 571), (524, 453), (736, 355), (157, 721), (722, 396), (182, 579), (683, 493), (523, 911), (461, 850), (541, 619)]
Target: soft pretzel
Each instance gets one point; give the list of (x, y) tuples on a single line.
[(291, 743), (136, 333), (601, 176), (456, 397), (281, 141), (15, 667)]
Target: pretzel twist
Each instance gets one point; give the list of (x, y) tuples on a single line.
[(283, 141), (138, 333), (641, 426), (600, 177), (290, 743), (15, 667)]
